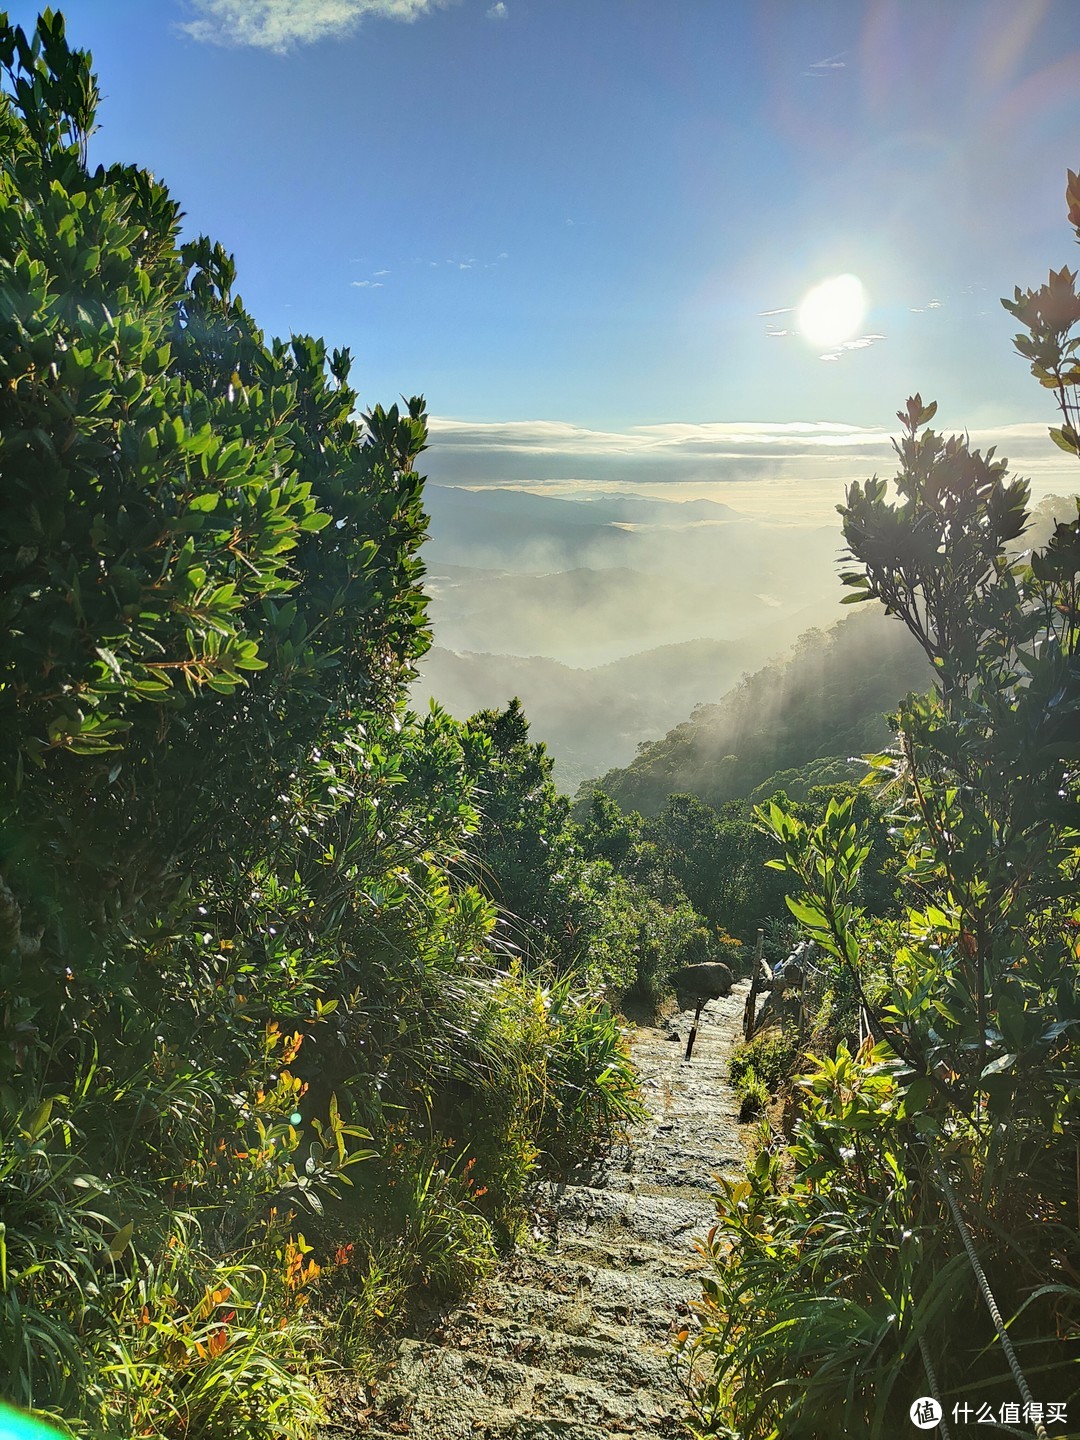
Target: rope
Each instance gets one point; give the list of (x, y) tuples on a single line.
[(934, 1391), (988, 1296)]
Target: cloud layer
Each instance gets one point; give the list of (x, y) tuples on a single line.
[(532, 451), (281, 24)]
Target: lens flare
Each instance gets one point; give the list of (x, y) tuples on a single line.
[(833, 311)]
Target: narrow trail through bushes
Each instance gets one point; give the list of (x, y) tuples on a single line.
[(570, 1340)]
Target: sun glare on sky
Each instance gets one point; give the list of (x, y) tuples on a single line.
[(832, 312)]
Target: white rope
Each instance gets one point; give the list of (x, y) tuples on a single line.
[(988, 1296), (934, 1390)]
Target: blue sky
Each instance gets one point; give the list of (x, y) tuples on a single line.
[(577, 211)]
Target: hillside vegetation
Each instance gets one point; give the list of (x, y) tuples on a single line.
[(827, 701), (298, 990)]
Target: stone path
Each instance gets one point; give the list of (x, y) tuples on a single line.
[(570, 1341)]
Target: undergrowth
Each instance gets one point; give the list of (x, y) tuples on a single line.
[(273, 1069)]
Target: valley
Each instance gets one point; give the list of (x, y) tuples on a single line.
[(610, 616)]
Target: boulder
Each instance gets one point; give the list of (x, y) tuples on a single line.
[(703, 982)]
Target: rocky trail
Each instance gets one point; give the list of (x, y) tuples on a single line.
[(570, 1340)]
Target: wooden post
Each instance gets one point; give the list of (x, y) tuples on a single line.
[(693, 1029), (749, 1015)]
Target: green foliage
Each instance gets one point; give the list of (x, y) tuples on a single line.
[(262, 1078), (761, 1067), (572, 899), (592, 1082), (824, 703), (826, 1290), (970, 996), (754, 1092), (820, 1290), (661, 902), (113, 1307), (1050, 315), (935, 557), (203, 556), (771, 1055)]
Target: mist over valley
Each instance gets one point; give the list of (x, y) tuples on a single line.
[(610, 615)]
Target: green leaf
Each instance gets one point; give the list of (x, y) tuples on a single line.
[(999, 1066), (90, 1182), (38, 1121), (121, 1240), (111, 662), (1066, 437), (807, 913), (917, 1094)]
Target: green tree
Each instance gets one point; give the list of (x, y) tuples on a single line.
[(238, 934), (203, 555)]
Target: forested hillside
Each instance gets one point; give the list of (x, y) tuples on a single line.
[(827, 701), (588, 717)]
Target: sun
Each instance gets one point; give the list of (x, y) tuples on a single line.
[(832, 311)]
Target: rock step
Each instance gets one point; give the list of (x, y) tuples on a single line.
[(576, 1270), (614, 1252), (449, 1392), (675, 1186), (507, 1425), (623, 1358), (586, 1307), (667, 1218)]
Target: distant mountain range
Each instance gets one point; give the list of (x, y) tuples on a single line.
[(826, 700), (588, 718), (519, 532), (610, 615)]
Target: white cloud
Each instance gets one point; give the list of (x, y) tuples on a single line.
[(498, 11), (859, 342), (278, 25), (366, 284), (382, 272), (831, 62), (539, 451), (530, 451)]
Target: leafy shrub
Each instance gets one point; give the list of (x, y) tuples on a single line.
[(771, 1055), (819, 1290), (754, 1092), (836, 1289), (114, 1309), (245, 954), (591, 1081)]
